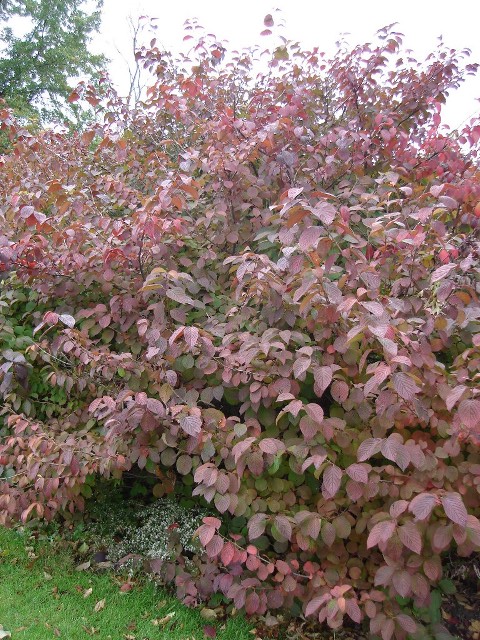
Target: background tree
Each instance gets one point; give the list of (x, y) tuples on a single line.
[(37, 68)]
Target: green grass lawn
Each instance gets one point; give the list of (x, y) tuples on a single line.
[(43, 596)]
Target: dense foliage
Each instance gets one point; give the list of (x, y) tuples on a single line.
[(263, 291), (37, 68)]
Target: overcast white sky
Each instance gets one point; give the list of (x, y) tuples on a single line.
[(307, 21)]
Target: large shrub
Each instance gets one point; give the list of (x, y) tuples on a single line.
[(263, 290)]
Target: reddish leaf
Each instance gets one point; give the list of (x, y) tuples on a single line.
[(311, 527), (454, 508), (256, 525), (300, 366), (252, 603), (242, 447), (212, 522), (214, 547), (309, 238), (380, 374), (381, 532), (441, 272), (323, 378), (407, 623), (314, 605), (373, 307), (410, 537), (442, 537), (309, 427), (227, 553), (222, 502), (315, 412), (398, 507), (353, 610), (191, 425), (368, 448), (358, 472), (328, 533), (283, 567), (422, 505), (271, 445), (325, 212), (402, 581), (284, 526), (67, 320), (454, 395), (404, 386), (191, 335), (433, 568), (268, 20), (206, 533), (387, 629), (469, 413), (383, 576), (178, 295), (339, 391), (316, 461), (209, 631), (332, 478)]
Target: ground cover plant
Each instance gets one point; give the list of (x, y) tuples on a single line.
[(43, 595), (259, 292)]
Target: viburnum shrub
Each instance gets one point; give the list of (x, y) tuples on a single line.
[(261, 287)]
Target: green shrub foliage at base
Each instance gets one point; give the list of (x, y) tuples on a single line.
[(262, 290)]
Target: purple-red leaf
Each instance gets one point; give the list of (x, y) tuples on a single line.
[(191, 335), (257, 525), (381, 532), (314, 411), (402, 581), (322, 377), (404, 386), (422, 505), (469, 413), (284, 526), (454, 508), (368, 448), (442, 272), (209, 631), (358, 472), (268, 20), (332, 478), (410, 537), (191, 425)]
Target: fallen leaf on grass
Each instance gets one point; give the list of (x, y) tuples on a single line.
[(83, 567), (100, 605), (210, 631), (87, 592), (159, 622), (208, 614)]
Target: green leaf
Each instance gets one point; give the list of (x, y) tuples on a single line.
[(447, 586), (275, 466), (434, 609)]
